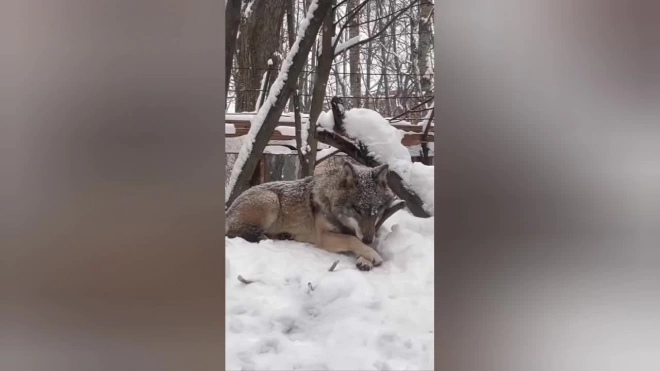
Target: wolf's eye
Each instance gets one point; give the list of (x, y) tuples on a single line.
[(356, 209)]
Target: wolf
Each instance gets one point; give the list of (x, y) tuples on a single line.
[(336, 210)]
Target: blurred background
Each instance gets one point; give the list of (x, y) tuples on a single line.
[(549, 197)]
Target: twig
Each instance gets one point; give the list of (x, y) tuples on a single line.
[(311, 288), (332, 267), (327, 157), (247, 282), (391, 210)]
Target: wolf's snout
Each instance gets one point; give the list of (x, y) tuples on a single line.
[(368, 239)]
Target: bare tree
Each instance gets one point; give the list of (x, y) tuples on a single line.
[(259, 38), (295, 97), (325, 59), (354, 53), (270, 113), (232, 22), (425, 43), (370, 52)]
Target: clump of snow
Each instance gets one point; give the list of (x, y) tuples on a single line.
[(299, 316), (304, 135), (230, 129), (384, 143), (278, 150), (286, 130), (248, 9), (325, 152), (276, 88)]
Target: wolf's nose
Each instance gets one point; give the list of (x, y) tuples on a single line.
[(368, 240)]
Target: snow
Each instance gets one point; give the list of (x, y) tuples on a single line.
[(278, 150), (286, 117), (350, 42), (248, 9), (384, 143), (230, 129), (276, 88), (286, 130), (304, 135), (325, 152), (298, 316)]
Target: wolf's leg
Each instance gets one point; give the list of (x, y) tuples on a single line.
[(336, 242)]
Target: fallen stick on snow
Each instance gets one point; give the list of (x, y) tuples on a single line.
[(332, 267), (243, 280)]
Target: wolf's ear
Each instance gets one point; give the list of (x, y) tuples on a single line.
[(380, 174), (348, 174)]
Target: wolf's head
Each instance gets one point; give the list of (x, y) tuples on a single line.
[(364, 197)]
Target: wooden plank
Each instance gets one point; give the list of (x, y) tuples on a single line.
[(245, 124), (408, 139)]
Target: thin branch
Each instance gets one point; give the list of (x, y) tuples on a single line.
[(243, 280), (327, 157), (377, 34), (352, 14), (391, 210), (339, 4)]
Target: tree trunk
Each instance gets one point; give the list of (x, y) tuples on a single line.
[(397, 64), (354, 54), (370, 53), (274, 111), (425, 43), (257, 42), (232, 23), (321, 81), (295, 98), (386, 83)]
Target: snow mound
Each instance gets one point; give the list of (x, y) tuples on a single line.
[(384, 143), (299, 316)]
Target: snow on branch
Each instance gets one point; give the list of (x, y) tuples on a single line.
[(349, 43), (369, 138)]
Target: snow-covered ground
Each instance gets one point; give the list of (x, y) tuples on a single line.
[(299, 316)]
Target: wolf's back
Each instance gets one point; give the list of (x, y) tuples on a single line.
[(282, 207)]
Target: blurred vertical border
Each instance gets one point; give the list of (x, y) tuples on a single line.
[(112, 204)]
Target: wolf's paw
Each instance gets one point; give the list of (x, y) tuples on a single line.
[(377, 260), (363, 264)]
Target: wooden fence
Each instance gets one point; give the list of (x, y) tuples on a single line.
[(277, 166), (414, 134)]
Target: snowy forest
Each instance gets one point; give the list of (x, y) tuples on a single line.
[(285, 63), (311, 83)]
